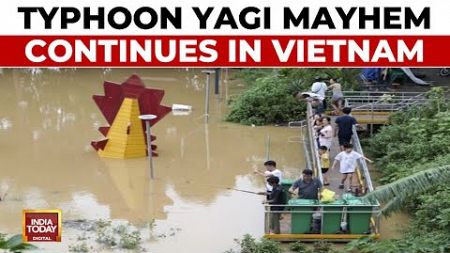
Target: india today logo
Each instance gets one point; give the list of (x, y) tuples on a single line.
[(41, 225)]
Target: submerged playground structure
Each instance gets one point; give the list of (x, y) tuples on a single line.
[(122, 105)]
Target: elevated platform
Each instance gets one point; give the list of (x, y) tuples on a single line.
[(374, 108), (350, 217), (317, 237), (372, 118), (336, 222)]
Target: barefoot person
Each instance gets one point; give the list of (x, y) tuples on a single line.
[(347, 164)]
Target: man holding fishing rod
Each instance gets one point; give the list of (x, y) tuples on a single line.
[(274, 193), (276, 199)]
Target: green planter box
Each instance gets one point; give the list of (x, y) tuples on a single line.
[(286, 184), (301, 222), (359, 223), (332, 221)]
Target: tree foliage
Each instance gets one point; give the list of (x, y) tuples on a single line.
[(268, 101), (416, 136), (268, 98), (413, 156), (14, 243), (248, 244), (396, 193)]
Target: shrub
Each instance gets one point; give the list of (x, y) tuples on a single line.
[(14, 243), (268, 98), (130, 240), (248, 76), (80, 247), (248, 244), (268, 101), (298, 247), (323, 247), (417, 139)]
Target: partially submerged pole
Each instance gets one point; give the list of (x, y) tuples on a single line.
[(217, 81), (208, 75), (268, 148), (146, 118)]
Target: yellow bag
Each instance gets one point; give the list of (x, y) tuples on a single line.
[(327, 196)]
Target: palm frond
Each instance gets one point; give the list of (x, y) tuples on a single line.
[(395, 193), (393, 205)]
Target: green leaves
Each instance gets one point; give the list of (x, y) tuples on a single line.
[(267, 101), (414, 141), (268, 98), (248, 244), (14, 243), (395, 193), (414, 158), (427, 243)]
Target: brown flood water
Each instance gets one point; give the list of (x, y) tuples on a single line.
[(48, 119)]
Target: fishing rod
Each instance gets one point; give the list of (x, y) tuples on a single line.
[(234, 189), (228, 188)]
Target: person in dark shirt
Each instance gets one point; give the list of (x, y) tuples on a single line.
[(344, 127), (276, 197), (308, 187)]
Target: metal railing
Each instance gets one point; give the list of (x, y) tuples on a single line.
[(301, 125), (380, 93), (383, 101), (297, 125), (314, 152), (362, 163), (313, 162)]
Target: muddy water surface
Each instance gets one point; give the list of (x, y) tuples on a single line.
[(48, 119)]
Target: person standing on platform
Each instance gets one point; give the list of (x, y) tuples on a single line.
[(337, 97), (326, 133), (344, 127), (320, 88), (271, 170), (308, 186), (276, 198), (324, 163), (347, 164)]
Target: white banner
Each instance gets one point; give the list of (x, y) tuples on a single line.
[(240, 17)]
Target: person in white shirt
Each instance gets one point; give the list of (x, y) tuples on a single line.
[(326, 133), (347, 164), (271, 170), (320, 88)]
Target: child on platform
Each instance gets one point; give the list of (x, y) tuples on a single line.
[(347, 164), (324, 163)]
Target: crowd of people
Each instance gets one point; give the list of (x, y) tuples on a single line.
[(308, 186), (317, 95)]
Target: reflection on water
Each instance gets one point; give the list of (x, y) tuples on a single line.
[(133, 196), (48, 118)]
